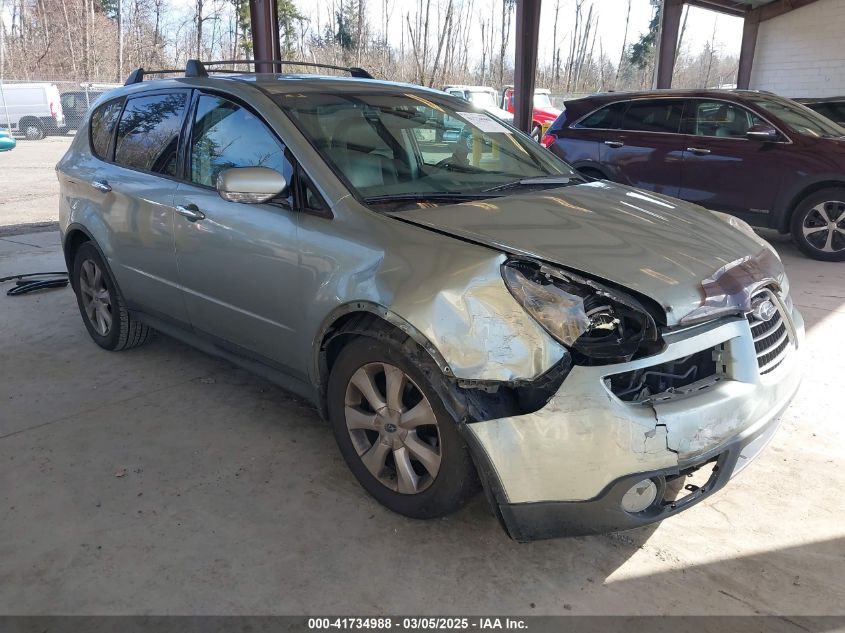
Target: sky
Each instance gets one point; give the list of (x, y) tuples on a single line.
[(611, 23), (610, 33)]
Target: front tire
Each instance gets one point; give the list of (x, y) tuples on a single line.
[(394, 432), (101, 305), (818, 225)]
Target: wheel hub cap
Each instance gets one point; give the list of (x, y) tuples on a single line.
[(824, 227), (96, 300), (393, 428)]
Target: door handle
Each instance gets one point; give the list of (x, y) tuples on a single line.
[(614, 143), (191, 212), (101, 185), (700, 151)]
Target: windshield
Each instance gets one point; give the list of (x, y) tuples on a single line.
[(482, 98), (405, 145), (542, 100), (800, 118)]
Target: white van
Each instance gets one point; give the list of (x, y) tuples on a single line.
[(34, 110)]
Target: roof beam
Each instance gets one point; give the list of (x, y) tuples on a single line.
[(729, 7), (670, 24), (779, 7), (527, 37)]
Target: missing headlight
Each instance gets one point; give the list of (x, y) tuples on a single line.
[(600, 325)]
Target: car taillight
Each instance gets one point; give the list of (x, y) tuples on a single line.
[(53, 111), (548, 140)]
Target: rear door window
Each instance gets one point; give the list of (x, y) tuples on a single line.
[(148, 133), (103, 121), (654, 115), (606, 118)]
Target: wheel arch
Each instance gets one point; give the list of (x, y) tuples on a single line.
[(362, 318), (588, 165), (783, 218), (75, 236)]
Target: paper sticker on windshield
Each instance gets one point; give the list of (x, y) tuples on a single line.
[(485, 123)]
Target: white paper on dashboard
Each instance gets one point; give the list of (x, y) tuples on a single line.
[(484, 122)]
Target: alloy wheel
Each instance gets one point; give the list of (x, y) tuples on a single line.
[(393, 428), (96, 299), (824, 227)]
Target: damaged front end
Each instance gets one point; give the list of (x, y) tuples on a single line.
[(638, 407)]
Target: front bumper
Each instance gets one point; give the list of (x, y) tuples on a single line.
[(562, 470)]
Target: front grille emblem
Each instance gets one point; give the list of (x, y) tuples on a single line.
[(763, 310)]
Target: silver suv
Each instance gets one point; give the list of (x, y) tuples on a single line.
[(461, 312)]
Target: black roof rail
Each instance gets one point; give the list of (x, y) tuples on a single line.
[(137, 75), (196, 68), (353, 71)]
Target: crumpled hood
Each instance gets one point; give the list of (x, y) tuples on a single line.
[(659, 246)]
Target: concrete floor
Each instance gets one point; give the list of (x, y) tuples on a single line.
[(163, 481), (30, 188)]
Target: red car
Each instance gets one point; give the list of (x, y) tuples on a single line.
[(544, 114), (766, 159)]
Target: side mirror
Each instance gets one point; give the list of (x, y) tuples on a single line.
[(252, 185), (762, 133)]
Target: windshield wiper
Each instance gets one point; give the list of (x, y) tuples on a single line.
[(435, 196), (533, 182)]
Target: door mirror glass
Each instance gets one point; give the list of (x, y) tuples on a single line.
[(252, 185), (762, 133)]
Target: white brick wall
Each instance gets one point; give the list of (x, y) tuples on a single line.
[(801, 53)]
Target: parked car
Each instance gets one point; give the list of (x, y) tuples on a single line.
[(761, 157), (579, 347), (543, 114), (7, 141), (482, 97), (831, 107), (75, 105), (33, 109)]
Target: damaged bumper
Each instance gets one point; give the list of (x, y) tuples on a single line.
[(564, 469)]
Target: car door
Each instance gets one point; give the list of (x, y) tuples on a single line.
[(725, 170), (238, 262), (647, 149), (582, 145), (135, 196)]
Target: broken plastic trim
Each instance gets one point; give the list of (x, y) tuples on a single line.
[(598, 324), (730, 289)]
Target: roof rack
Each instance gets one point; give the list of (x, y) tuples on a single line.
[(196, 68)]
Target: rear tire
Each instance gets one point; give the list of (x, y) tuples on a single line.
[(818, 225), (393, 444), (101, 305), (34, 130)]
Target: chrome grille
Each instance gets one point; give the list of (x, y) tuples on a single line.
[(771, 338)]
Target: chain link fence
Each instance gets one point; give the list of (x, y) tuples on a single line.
[(36, 109)]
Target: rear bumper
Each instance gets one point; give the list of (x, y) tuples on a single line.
[(563, 470)]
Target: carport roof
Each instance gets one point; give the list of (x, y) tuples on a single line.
[(742, 7)]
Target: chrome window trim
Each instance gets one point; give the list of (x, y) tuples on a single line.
[(577, 124)]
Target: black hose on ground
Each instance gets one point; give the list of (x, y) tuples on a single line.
[(23, 285)]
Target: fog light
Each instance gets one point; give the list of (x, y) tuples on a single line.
[(640, 496)]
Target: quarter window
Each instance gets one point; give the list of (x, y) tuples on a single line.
[(226, 135), (606, 118), (103, 121), (722, 119), (148, 134), (660, 115)]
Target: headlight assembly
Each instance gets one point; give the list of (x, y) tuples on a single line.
[(600, 325)]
